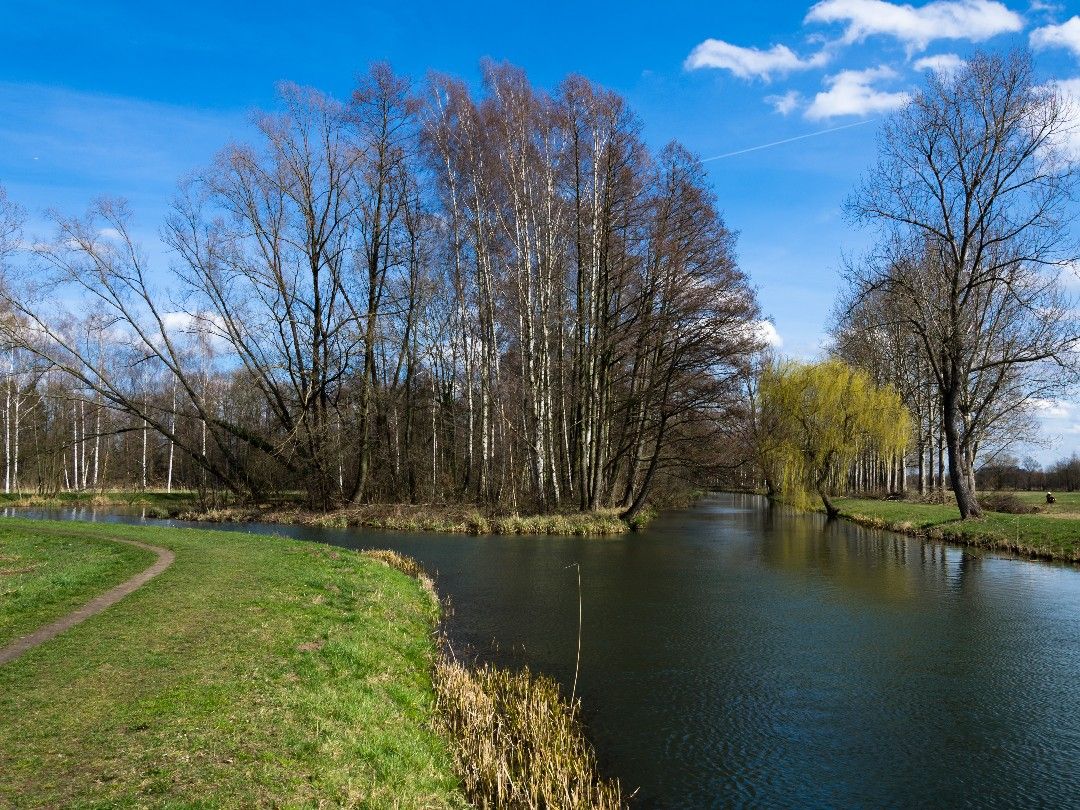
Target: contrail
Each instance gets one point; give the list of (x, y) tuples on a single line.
[(789, 140)]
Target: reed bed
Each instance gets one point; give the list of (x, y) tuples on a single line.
[(451, 519), (516, 742)]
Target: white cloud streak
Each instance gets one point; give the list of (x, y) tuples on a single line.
[(751, 63), (917, 27), (771, 144)]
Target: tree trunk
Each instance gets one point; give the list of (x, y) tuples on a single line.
[(959, 476), (172, 444), (831, 511)]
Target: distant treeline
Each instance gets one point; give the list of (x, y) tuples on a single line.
[(1010, 473)]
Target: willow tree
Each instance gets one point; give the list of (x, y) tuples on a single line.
[(817, 418)]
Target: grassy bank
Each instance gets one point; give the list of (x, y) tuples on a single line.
[(1051, 534), (261, 671), (44, 577), (405, 517), (255, 671), (453, 518)]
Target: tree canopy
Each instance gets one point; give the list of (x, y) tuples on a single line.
[(816, 418), (971, 197)]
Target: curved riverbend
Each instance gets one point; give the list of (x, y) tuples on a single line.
[(737, 654)]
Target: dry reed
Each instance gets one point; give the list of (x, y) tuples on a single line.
[(516, 742)]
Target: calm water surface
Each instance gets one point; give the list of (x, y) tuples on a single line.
[(736, 655)]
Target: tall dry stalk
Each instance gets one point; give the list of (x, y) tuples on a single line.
[(516, 743)]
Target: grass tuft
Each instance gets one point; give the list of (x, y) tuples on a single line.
[(516, 742), (447, 519)]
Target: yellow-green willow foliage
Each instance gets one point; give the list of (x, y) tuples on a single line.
[(816, 418)]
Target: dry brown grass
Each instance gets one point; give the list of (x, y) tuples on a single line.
[(406, 565), (516, 742), (405, 517)]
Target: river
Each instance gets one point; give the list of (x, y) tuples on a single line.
[(737, 655)]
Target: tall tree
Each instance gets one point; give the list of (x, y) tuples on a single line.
[(505, 289), (971, 191)]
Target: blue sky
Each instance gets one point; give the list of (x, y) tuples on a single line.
[(124, 98)]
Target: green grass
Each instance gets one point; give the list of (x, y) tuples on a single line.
[(42, 578), (1053, 535), (1067, 503), (255, 671)]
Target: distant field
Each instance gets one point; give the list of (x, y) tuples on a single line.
[(1068, 503)]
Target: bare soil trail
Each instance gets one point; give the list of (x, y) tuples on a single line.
[(96, 605)]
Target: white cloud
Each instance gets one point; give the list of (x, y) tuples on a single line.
[(851, 92), (751, 63), (785, 104), (917, 27), (768, 334), (208, 324), (1069, 89), (1053, 408), (943, 63), (1066, 35)]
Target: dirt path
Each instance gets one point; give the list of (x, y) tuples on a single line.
[(91, 608)]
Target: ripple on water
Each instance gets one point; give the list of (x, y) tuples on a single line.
[(735, 655)]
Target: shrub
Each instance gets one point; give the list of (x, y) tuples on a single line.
[(1006, 502)]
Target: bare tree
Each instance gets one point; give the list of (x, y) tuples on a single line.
[(506, 289), (971, 190), (11, 223)]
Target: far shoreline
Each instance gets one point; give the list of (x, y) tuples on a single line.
[(1032, 536), (463, 518)]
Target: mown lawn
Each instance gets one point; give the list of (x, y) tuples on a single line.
[(255, 671), (1051, 535), (44, 577)]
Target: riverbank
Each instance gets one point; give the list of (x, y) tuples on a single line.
[(405, 517), (254, 671), (261, 671), (1054, 535)]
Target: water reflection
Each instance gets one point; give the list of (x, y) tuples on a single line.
[(740, 655)]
